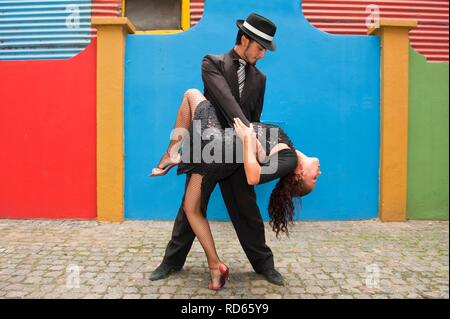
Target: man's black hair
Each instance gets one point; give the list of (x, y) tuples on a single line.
[(239, 36)]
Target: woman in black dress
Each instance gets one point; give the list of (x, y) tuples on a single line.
[(268, 154)]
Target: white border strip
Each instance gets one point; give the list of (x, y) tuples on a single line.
[(257, 32)]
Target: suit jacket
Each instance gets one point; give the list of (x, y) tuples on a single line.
[(219, 74)]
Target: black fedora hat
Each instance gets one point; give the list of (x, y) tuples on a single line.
[(260, 29)]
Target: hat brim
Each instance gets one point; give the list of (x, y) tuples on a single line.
[(269, 45)]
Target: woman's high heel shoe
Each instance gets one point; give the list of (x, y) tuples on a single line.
[(224, 275), (160, 171)]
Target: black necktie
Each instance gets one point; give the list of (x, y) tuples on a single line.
[(241, 75)]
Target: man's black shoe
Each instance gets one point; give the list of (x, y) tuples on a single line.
[(163, 271), (273, 276)]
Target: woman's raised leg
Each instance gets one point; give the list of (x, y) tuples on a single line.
[(185, 114)]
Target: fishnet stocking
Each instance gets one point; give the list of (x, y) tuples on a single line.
[(199, 224), (186, 111)]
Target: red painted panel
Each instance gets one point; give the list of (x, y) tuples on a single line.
[(106, 8), (197, 8), (430, 38), (48, 137)]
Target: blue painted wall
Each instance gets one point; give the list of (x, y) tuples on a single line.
[(323, 89)]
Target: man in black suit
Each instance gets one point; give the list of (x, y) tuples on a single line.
[(236, 88)]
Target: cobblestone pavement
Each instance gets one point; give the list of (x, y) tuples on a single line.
[(345, 259)]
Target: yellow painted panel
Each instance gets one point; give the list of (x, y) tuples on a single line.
[(159, 32), (111, 35), (185, 14), (110, 166), (394, 121)]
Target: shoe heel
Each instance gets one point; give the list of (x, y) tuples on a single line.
[(224, 271), (164, 170)]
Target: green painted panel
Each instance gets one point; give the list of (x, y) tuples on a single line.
[(428, 139)]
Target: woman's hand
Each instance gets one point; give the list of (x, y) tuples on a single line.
[(242, 131)]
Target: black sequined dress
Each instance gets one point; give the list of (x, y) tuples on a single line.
[(214, 153)]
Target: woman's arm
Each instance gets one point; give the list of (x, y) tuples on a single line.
[(260, 151), (248, 136), (251, 165)]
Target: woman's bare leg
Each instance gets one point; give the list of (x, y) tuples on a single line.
[(186, 111), (200, 225)]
